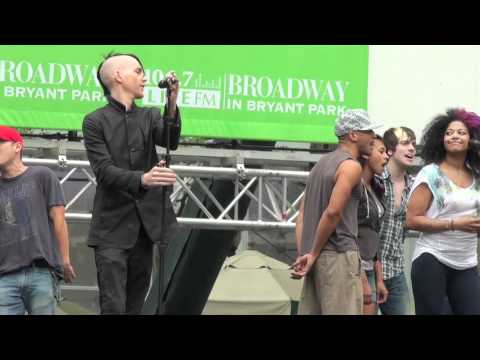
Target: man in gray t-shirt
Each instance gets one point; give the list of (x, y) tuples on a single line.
[(34, 246)]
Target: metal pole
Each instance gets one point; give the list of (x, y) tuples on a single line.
[(194, 198), (260, 197), (162, 246), (237, 198), (191, 171), (211, 197), (66, 177), (235, 211)]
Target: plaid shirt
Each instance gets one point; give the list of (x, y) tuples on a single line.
[(392, 230)]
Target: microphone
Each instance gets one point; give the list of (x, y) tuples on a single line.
[(163, 84)]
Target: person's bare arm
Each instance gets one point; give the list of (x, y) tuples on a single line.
[(418, 205), (348, 176), (382, 291), (57, 215), (367, 289), (299, 228)]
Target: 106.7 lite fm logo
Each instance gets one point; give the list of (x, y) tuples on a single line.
[(228, 91), (238, 92)]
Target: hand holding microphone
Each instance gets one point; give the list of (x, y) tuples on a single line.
[(172, 85), (170, 82)]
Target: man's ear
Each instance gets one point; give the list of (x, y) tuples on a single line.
[(117, 76), (19, 147), (389, 153), (352, 136)]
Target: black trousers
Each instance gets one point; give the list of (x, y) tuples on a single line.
[(433, 283), (124, 276)]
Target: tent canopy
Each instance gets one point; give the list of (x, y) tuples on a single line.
[(255, 284)]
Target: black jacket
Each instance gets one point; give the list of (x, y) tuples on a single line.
[(369, 221), (121, 148)]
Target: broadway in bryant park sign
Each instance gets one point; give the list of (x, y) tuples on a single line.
[(274, 92)]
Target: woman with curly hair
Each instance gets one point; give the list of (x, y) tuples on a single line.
[(370, 213), (444, 206)]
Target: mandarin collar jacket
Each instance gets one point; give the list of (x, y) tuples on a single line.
[(120, 146)]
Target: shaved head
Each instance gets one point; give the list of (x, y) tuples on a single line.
[(113, 63)]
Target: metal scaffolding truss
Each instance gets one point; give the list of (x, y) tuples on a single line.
[(273, 209)]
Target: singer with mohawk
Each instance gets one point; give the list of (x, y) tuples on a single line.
[(444, 206), (120, 140)]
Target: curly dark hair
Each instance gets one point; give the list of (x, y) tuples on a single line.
[(433, 136), (376, 182), (364, 161)]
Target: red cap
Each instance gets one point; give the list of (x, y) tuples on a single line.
[(10, 134)]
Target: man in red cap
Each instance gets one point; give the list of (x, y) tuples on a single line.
[(34, 246)]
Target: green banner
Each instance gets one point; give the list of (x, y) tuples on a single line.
[(260, 92)]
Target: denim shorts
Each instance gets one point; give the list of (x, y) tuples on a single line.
[(373, 284)]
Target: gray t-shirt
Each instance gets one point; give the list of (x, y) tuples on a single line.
[(318, 191), (26, 230)]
